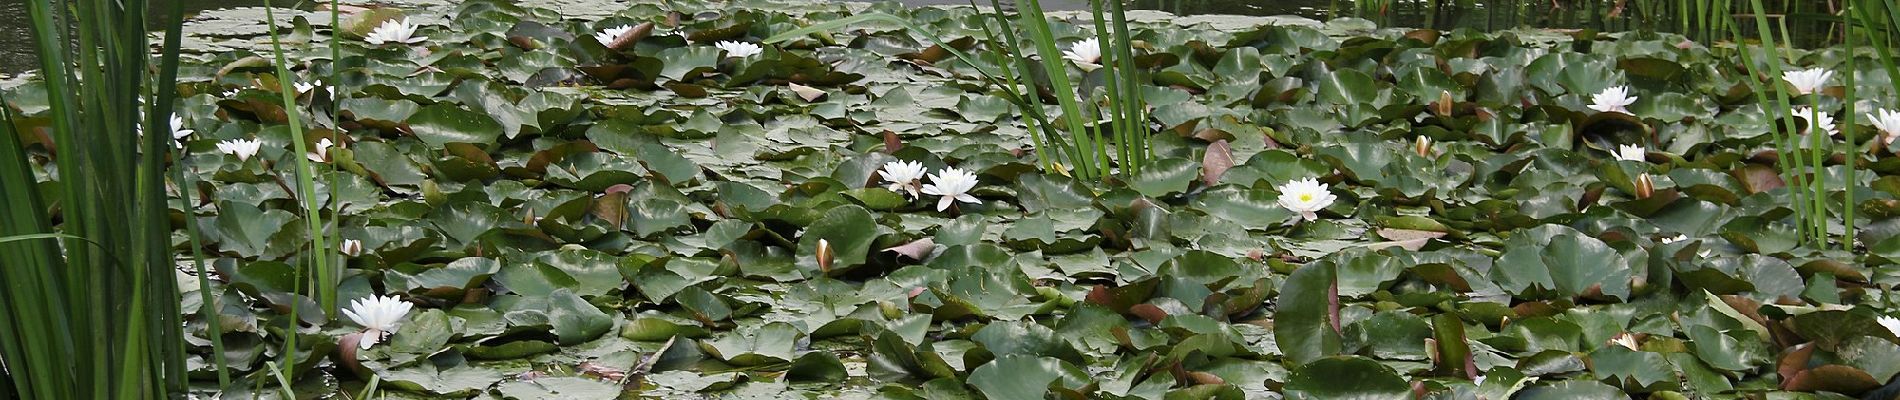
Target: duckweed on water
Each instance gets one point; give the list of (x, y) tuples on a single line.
[(633, 207)]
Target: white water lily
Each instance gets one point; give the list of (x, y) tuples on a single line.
[(1892, 324), (351, 247), (395, 31), (1086, 53), (1808, 80), (1613, 99), (953, 185), (380, 316), (242, 148), (321, 152), (1674, 239), (903, 176), (1822, 121), (1888, 122), (735, 49), (1624, 339), (302, 87), (607, 36), (179, 131), (1307, 197), (1630, 152)]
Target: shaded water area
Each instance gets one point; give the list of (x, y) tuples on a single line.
[(16, 52)]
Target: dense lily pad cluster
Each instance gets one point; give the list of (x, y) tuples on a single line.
[(659, 204)]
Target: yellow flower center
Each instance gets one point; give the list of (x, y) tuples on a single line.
[(1306, 197)]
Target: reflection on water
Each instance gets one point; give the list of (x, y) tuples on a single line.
[(16, 39)]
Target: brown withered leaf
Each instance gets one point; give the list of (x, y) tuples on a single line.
[(1214, 164), (916, 249)]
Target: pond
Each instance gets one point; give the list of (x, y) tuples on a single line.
[(16, 49)]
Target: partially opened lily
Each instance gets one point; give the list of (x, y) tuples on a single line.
[(1888, 122), (607, 36), (1816, 120), (1808, 80), (1630, 152), (379, 316), (1613, 99), (1086, 53), (736, 49), (395, 31), (242, 148), (321, 152)]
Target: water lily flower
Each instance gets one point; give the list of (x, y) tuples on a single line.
[(953, 185), (903, 176), (1624, 339), (1422, 146), (1645, 186), (607, 36), (1892, 324), (179, 132), (1630, 152), (351, 247), (321, 152), (736, 49), (379, 316), (1888, 122), (1822, 121), (242, 148), (1086, 54), (395, 31), (1808, 80), (824, 255), (1307, 197), (1674, 239), (1613, 99)]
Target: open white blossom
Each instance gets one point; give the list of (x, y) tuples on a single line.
[(1674, 239), (242, 148), (1086, 53), (395, 31), (1307, 197), (903, 176), (1822, 121), (179, 131), (321, 152), (607, 36), (736, 49), (1808, 80), (1630, 152), (380, 316), (953, 185), (1888, 122), (1613, 99)]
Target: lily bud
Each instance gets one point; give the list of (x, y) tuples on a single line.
[(1422, 146), (1644, 186), (351, 247), (1443, 107), (824, 256)]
